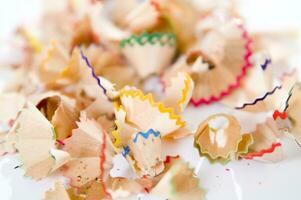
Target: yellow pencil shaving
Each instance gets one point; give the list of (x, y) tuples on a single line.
[(158, 105), (32, 40), (185, 90)]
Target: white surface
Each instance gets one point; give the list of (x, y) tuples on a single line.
[(245, 180)]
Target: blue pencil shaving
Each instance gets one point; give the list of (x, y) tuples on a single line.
[(146, 134)]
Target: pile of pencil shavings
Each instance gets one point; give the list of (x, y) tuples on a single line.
[(77, 97)]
